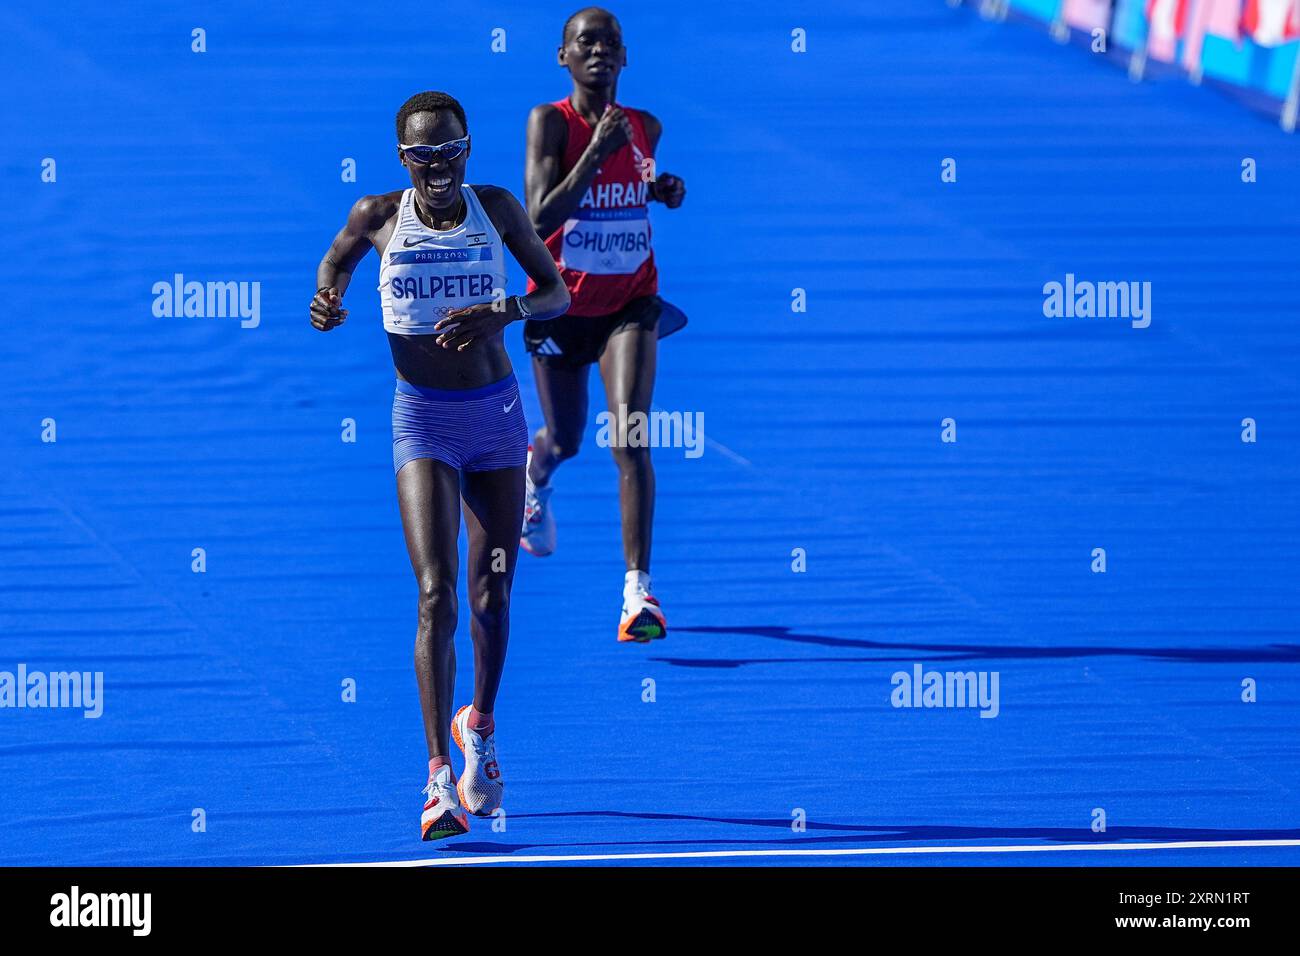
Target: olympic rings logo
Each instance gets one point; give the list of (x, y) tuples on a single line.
[(442, 310)]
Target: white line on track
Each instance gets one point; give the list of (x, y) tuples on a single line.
[(717, 446), (873, 851)]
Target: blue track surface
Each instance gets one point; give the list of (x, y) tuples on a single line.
[(820, 171)]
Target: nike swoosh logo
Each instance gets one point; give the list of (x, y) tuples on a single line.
[(511, 405), (408, 243)]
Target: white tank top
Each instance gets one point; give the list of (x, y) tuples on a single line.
[(425, 273)]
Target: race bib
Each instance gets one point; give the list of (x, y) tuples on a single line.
[(607, 241)]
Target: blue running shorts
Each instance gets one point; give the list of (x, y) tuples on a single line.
[(476, 429)]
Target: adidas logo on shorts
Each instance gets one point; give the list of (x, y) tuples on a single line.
[(548, 347)]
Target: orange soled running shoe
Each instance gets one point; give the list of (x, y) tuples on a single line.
[(481, 786), (442, 816), (643, 619)]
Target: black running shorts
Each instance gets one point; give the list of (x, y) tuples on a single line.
[(576, 340)]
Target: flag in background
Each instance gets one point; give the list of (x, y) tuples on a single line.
[(1244, 42), (1087, 14), (1167, 21), (1128, 27), (1217, 18), (1271, 22), (1044, 10)]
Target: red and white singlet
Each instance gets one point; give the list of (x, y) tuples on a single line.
[(603, 249)]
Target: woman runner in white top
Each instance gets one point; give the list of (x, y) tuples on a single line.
[(459, 436)]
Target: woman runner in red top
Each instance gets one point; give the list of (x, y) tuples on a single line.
[(590, 175)]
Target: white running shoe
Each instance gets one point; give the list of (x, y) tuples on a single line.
[(442, 816), (643, 619), (480, 786), (538, 534)]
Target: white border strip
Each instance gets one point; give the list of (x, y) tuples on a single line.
[(873, 851)]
